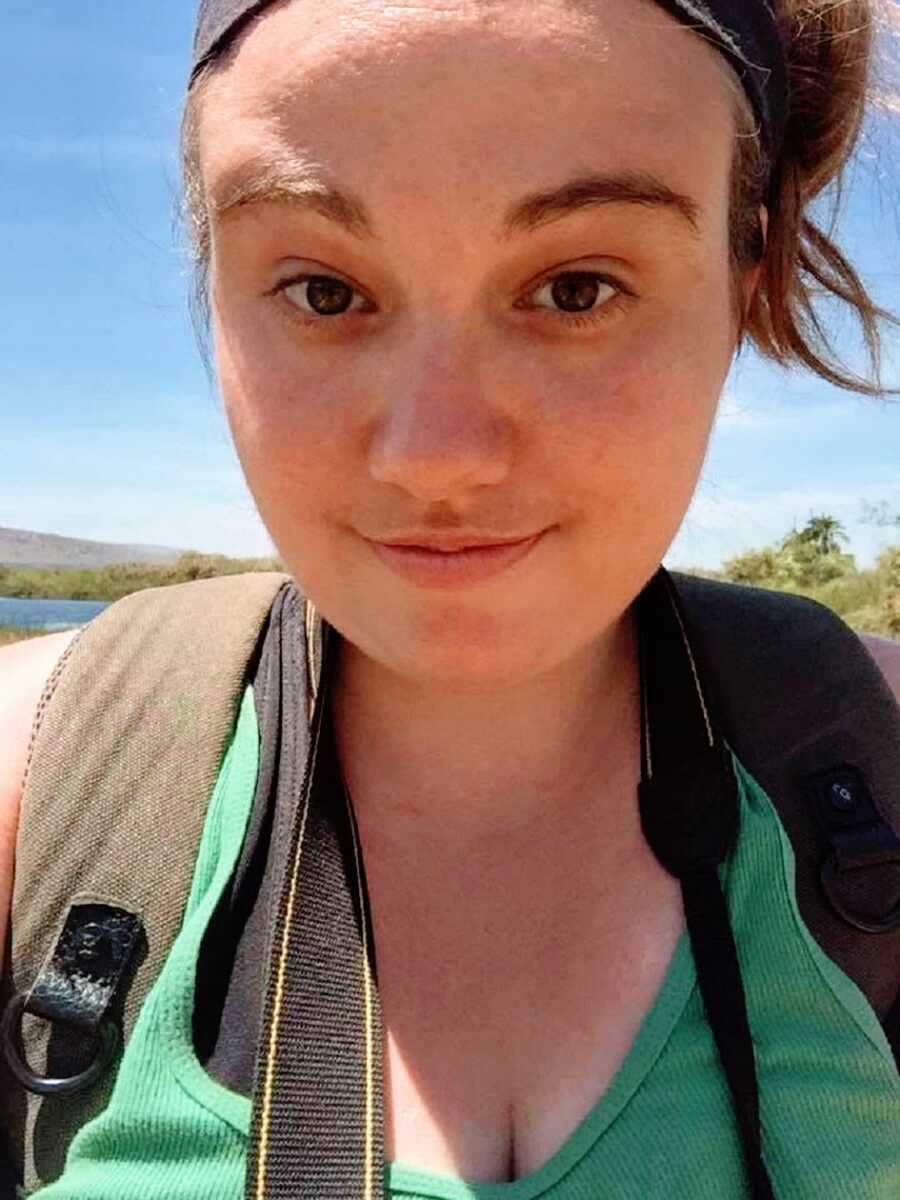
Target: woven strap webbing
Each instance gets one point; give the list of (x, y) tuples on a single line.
[(796, 692), (126, 749), (317, 1129)]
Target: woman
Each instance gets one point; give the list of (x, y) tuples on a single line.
[(476, 274)]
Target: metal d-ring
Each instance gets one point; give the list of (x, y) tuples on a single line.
[(106, 1040), (828, 877)]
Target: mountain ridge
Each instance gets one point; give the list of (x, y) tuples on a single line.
[(25, 548)]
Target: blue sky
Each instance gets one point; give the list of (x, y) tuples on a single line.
[(109, 426)]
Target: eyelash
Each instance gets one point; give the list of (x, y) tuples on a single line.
[(604, 312), (608, 309)]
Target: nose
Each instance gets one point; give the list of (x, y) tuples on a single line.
[(441, 429)]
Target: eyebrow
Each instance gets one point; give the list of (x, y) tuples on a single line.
[(588, 191), (274, 183), (282, 184)]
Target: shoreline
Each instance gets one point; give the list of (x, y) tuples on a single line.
[(14, 633)]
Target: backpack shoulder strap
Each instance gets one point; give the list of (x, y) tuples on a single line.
[(126, 749), (809, 714)]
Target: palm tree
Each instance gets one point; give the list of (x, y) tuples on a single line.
[(825, 533)]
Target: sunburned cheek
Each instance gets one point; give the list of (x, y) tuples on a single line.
[(629, 445), (268, 388), (668, 387), (602, 414), (297, 489), (282, 414)]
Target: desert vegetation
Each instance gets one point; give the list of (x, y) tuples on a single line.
[(119, 579), (114, 581), (812, 561), (8, 633)]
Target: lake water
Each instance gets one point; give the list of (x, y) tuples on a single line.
[(48, 614)]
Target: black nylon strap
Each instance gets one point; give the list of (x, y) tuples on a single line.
[(689, 815), (228, 999), (719, 977), (317, 1128), (9, 1178), (892, 1029), (807, 711)]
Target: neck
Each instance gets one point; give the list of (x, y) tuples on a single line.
[(459, 764)]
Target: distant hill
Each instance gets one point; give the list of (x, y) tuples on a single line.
[(24, 548)]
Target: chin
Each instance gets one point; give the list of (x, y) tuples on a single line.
[(463, 649)]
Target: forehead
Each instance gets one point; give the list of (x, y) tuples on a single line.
[(502, 94)]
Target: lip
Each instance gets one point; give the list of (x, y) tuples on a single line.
[(441, 563)]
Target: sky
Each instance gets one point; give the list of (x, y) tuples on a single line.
[(110, 427)]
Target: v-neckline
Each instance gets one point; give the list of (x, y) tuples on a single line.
[(654, 1033)]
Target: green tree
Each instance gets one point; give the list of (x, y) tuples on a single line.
[(812, 556), (804, 558), (888, 566), (758, 568), (824, 532)]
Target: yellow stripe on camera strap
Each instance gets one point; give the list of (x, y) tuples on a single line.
[(317, 1131), (318, 1115)]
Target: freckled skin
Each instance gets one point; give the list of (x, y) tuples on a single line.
[(446, 400)]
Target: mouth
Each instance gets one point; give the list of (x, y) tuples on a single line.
[(444, 561)]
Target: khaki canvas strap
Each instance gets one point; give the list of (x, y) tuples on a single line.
[(127, 746)]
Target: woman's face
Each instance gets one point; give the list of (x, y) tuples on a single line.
[(520, 318)]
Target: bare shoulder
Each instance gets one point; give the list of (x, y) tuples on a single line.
[(24, 669), (887, 658)]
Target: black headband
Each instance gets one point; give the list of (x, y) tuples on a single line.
[(745, 31)]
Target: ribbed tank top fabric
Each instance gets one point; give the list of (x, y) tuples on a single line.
[(829, 1090)]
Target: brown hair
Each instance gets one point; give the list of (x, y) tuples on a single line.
[(831, 66), (830, 48)]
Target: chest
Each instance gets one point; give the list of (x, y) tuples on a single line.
[(511, 995), (664, 1125)]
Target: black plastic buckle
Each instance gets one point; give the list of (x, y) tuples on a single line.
[(76, 988), (859, 840)]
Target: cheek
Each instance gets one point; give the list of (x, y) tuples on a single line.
[(275, 398), (287, 435), (281, 398), (629, 434)]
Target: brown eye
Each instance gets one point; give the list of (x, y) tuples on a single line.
[(328, 296), (576, 292), (322, 295)]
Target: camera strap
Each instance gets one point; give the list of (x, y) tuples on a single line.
[(318, 1117)]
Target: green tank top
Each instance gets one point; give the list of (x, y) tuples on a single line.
[(829, 1090)]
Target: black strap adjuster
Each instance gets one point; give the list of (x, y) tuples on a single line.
[(106, 1047), (859, 840), (77, 987)]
